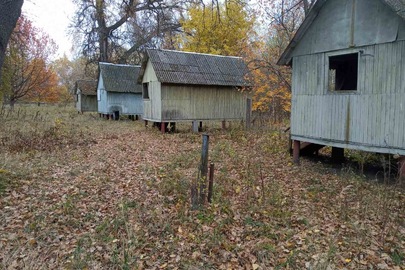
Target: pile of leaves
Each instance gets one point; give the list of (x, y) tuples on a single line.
[(124, 203)]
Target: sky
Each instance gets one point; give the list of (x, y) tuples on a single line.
[(53, 17)]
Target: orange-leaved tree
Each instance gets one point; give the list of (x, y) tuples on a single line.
[(272, 92), (50, 90), (27, 63)]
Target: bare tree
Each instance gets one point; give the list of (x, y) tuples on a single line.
[(10, 11), (112, 30)]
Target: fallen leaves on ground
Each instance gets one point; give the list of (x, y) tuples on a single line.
[(123, 202)]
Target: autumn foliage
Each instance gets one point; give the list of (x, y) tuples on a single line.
[(222, 29), (27, 73)]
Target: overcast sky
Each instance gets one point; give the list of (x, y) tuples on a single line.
[(52, 16)]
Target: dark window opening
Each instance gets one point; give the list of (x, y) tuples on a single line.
[(343, 72), (145, 90)]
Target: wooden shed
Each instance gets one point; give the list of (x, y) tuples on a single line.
[(348, 82), (118, 91), (86, 96), (182, 86)]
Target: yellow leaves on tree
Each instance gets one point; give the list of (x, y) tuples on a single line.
[(223, 29), (270, 92), (271, 83)]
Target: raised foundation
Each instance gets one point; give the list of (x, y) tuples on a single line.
[(338, 154), (401, 167), (296, 152)]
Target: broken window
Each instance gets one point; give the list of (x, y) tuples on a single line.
[(145, 90), (343, 72)]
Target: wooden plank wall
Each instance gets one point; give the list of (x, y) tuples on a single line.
[(153, 106), (130, 103), (182, 103), (88, 103), (373, 116)]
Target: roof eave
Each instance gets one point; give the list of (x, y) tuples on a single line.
[(285, 58)]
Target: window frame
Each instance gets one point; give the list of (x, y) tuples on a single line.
[(145, 91), (327, 66)]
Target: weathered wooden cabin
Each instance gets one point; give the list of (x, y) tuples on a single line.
[(86, 96), (181, 86), (348, 77), (118, 91)]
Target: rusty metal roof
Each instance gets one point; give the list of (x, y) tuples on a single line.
[(197, 68), (120, 78), (86, 87)]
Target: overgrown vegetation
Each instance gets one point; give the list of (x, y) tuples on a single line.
[(116, 195)]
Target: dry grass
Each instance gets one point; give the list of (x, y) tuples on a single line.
[(79, 192)]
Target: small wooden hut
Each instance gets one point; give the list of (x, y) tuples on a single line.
[(118, 91), (348, 82), (86, 96), (181, 86)]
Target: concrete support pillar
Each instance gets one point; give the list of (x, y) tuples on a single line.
[(338, 154), (195, 126), (296, 152)]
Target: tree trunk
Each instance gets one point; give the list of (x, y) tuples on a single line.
[(10, 11)]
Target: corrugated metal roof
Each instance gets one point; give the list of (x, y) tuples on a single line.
[(398, 6), (120, 78), (87, 87), (197, 68)]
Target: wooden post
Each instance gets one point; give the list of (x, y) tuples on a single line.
[(136, 117), (211, 183), (401, 167), (146, 123), (296, 152), (290, 145), (338, 154), (203, 168), (195, 126), (223, 124), (200, 127), (163, 127), (248, 112)]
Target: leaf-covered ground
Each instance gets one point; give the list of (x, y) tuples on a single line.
[(87, 193)]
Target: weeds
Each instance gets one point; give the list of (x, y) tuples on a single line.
[(116, 195)]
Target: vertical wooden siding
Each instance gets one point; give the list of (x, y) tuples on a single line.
[(373, 116), (78, 102), (202, 103), (86, 103), (153, 106), (128, 103)]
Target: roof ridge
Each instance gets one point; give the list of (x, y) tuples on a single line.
[(208, 54), (122, 65)]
